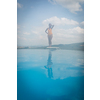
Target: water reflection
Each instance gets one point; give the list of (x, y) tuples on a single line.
[(56, 64), (64, 66), (49, 65)]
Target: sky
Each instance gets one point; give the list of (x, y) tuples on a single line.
[(33, 17)]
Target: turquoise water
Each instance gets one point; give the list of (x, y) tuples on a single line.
[(50, 74)]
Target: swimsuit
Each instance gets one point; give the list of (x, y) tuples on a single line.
[(49, 31), (50, 36)]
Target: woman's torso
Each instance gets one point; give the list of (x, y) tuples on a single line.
[(49, 31)]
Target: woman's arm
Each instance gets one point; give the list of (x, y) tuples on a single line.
[(46, 30), (52, 26)]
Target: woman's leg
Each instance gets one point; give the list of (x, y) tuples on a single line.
[(50, 40)]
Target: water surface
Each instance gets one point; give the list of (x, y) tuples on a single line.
[(50, 74)]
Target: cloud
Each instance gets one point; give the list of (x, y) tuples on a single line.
[(72, 5), (65, 36), (26, 33), (21, 38), (68, 34), (53, 2), (57, 21), (19, 5), (75, 30), (82, 23), (35, 32), (78, 30)]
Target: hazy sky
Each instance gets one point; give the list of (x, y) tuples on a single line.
[(33, 17)]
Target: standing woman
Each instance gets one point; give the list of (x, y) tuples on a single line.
[(50, 35)]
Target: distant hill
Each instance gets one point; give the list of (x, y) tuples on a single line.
[(73, 46)]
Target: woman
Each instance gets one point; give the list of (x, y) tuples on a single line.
[(50, 35)]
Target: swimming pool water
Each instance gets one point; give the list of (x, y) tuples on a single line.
[(50, 74)]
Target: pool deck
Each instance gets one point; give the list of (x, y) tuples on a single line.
[(52, 47)]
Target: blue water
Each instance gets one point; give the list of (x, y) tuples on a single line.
[(50, 74)]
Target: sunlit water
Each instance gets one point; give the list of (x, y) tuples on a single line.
[(50, 75)]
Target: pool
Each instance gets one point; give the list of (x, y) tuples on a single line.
[(50, 74)]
